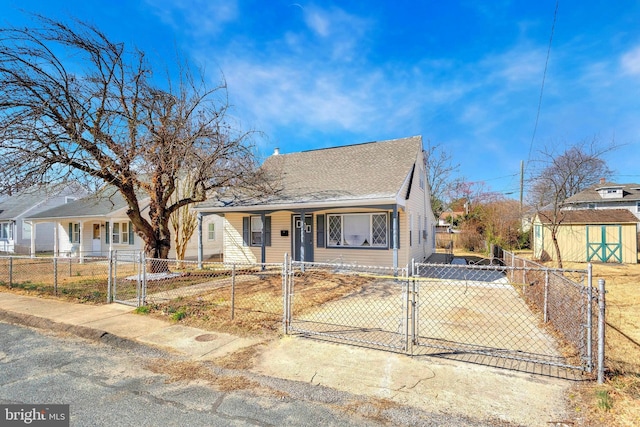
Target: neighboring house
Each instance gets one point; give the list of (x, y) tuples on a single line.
[(16, 231), (98, 224), (587, 235), (607, 195), (365, 204)]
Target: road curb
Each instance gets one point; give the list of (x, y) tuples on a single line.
[(78, 330)]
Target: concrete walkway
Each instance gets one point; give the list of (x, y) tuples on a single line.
[(428, 383)]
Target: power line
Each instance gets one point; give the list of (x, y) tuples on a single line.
[(544, 76)]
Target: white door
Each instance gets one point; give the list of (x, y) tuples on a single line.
[(96, 246)]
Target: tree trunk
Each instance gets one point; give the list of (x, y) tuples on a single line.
[(554, 238)]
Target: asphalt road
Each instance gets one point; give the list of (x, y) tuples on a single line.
[(106, 385)]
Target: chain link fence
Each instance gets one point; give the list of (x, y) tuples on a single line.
[(358, 304), (83, 279), (566, 300)]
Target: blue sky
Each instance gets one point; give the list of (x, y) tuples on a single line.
[(466, 75)]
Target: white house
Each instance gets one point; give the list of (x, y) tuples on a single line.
[(16, 232)]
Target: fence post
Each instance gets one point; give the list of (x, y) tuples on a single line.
[(284, 294), (55, 275), (589, 318), (233, 290), (10, 272), (110, 273), (601, 329), (143, 291), (546, 296)]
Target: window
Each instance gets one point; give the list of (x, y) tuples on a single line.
[(357, 230), (211, 231), (5, 231), (591, 206), (256, 231), (122, 232), (115, 233), (637, 206), (74, 232), (26, 230)]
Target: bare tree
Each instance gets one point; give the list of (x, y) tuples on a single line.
[(439, 167), (578, 167), (74, 104), (183, 220)]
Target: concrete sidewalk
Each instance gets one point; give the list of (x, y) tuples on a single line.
[(428, 383)]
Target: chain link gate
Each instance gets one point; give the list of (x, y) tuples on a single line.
[(356, 304), (127, 272), (442, 309)]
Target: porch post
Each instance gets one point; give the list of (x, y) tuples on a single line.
[(302, 227), (56, 246), (33, 239), (200, 252), (110, 237), (263, 247), (394, 227), (81, 243)]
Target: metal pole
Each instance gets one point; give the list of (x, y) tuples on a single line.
[(55, 275), (601, 329), (10, 272), (109, 282), (589, 318), (233, 291), (546, 296), (143, 256), (284, 294)]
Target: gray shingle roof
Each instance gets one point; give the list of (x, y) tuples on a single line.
[(631, 192), (95, 205), (13, 206), (373, 170), (591, 216)]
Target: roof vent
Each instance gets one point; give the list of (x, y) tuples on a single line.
[(276, 151)]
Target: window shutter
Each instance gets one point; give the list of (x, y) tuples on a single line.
[(106, 232), (320, 231), (267, 231), (130, 233), (245, 231), (70, 232)]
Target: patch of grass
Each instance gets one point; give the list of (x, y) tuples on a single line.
[(143, 309), (179, 314), (605, 402)]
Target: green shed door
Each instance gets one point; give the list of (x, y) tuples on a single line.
[(604, 243)]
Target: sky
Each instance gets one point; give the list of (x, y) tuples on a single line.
[(491, 83)]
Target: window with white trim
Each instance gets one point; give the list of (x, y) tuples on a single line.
[(5, 231), (120, 232), (75, 235), (358, 230), (637, 206), (211, 231), (256, 231)]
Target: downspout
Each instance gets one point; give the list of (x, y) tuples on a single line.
[(394, 227)]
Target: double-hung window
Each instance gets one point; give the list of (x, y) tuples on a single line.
[(211, 231), (121, 232), (358, 230), (5, 231), (256, 231)]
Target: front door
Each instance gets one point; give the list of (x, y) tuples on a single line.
[(95, 245), (308, 238)]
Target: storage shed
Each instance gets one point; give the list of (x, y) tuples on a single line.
[(588, 235)]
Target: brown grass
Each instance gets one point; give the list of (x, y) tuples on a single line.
[(258, 302), (615, 403)]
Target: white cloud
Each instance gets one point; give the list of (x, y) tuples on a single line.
[(196, 17), (630, 61)]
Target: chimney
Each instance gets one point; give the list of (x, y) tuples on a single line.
[(602, 180), (276, 151)]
